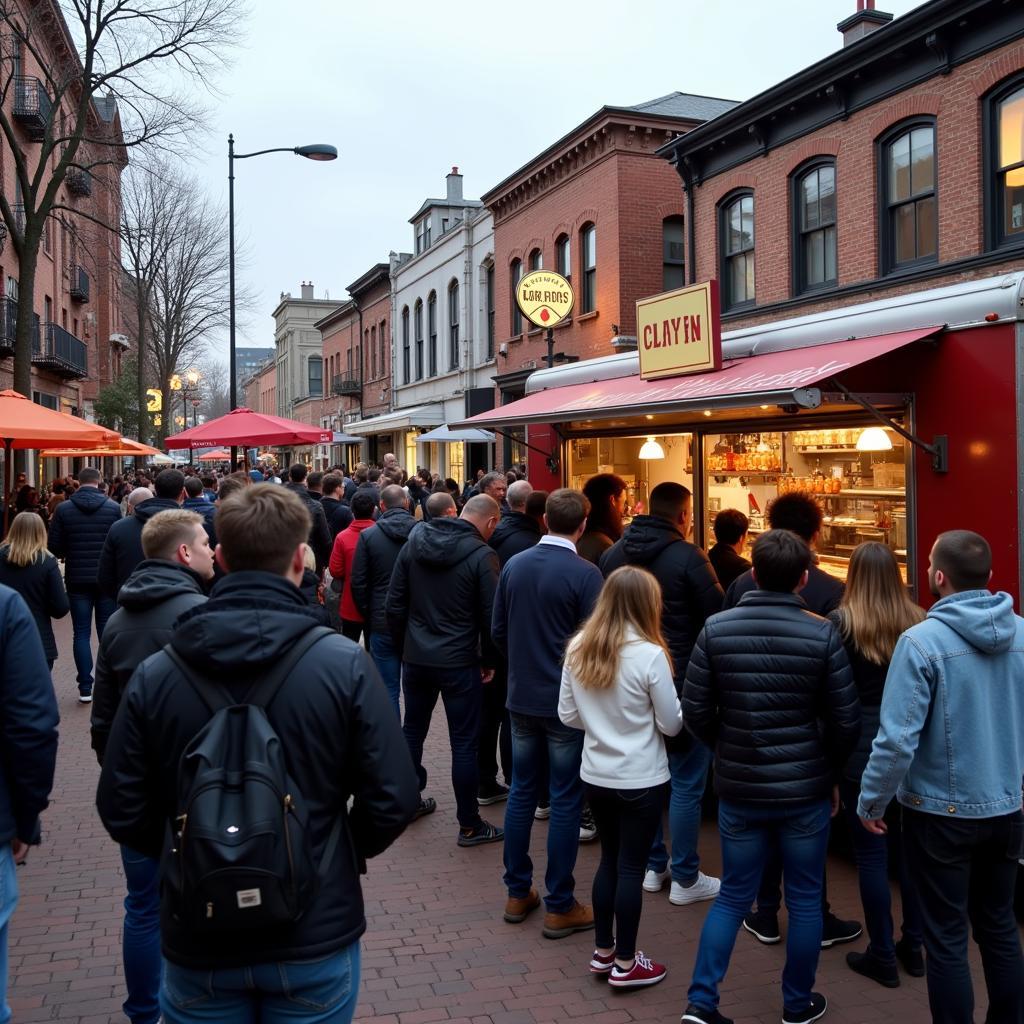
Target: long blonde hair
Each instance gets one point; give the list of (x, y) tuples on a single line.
[(631, 598), (876, 607), (26, 540)]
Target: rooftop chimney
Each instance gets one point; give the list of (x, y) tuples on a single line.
[(865, 21), (307, 290), (454, 181)]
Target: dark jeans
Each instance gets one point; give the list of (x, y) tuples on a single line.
[(626, 820), (769, 892), (460, 690), (140, 945), (495, 729), (689, 770), (82, 608), (537, 743), (965, 871), (389, 665), (873, 855), (748, 832)]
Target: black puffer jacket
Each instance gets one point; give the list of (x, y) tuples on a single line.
[(153, 598), (822, 594), (122, 550), (374, 561), (340, 736), (770, 690), (515, 532), (339, 515), (319, 533), (441, 598), (78, 530), (208, 511), (39, 583)]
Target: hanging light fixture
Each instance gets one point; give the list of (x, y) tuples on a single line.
[(874, 439), (650, 449)]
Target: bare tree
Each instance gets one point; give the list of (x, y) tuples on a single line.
[(104, 77), (214, 390)]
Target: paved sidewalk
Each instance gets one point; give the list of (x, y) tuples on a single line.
[(436, 948)]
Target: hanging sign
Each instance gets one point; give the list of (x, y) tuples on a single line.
[(544, 298), (679, 332)]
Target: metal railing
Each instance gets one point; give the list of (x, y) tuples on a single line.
[(32, 106), (60, 351), (79, 181), (79, 283), (8, 322), (346, 384)]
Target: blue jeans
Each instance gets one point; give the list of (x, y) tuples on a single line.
[(533, 737), (8, 901), (140, 944), (385, 657), (321, 991), (689, 769), (748, 831), (460, 689), (82, 608)]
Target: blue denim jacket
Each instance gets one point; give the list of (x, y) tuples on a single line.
[(951, 739)]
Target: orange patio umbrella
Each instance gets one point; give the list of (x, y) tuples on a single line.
[(217, 455), (124, 446)]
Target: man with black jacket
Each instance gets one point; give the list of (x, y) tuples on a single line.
[(770, 690), (374, 560), (340, 741), (122, 550), (78, 532), (690, 593), (338, 514), (196, 501), (168, 582), (439, 608), (319, 538), (517, 531)]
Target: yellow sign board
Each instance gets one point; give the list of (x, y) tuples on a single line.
[(155, 400), (679, 332), (544, 298)]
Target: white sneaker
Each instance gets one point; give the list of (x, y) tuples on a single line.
[(705, 888), (654, 880), (543, 812)]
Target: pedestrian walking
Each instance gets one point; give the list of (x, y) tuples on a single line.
[(876, 609), (439, 608), (352, 622), (78, 532), (770, 668), (950, 747), (617, 687), (28, 567), (690, 593), (543, 596), (249, 941), (606, 493), (28, 724), (319, 538)]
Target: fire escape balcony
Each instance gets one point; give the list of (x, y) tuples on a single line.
[(346, 384), (32, 106), (8, 320), (79, 181), (59, 352), (79, 284)]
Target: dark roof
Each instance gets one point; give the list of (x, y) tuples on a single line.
[(450, 204), (684, 104), (377, 273)]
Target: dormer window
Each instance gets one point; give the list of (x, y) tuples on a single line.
[(423, 235)]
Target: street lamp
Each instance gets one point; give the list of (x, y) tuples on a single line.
[(318, 152)]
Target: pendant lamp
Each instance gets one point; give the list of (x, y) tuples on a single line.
[(650, 449)]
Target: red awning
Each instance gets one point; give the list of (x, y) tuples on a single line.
[(777, 378)]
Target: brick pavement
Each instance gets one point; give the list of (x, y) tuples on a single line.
[(436, 948)]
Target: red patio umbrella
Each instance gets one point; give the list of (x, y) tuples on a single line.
[(243, 428)]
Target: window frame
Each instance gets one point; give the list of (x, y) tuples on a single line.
[(489, 285), (675, 218), (406, 348), (311, 361), (993, 197), (453, 324), (417, 332), (535, 261), (725, 204), (432, 334), (563, 259), (887, 264), (588, 274), (798, 262), (515, 275)]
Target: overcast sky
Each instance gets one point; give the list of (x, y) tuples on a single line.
[(406, 89)]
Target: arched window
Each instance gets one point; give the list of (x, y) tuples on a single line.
[(316, 377), (453, 325), (673, 253), (815, 252), (373, 352), (406, 369), (490, 311), (515, 276), (432, 331), (908, 190), (1004, 159), (736, 234), (417, 318), (563, 256), (383, 348), (536, 260), (588, 268)]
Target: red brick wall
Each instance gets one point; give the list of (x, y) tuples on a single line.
[(376, 305)]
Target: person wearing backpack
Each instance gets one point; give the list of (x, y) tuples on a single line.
[(233, 757)]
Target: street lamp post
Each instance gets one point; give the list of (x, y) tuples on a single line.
[(317, 151)]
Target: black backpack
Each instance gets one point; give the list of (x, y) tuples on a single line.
[(240, 853)]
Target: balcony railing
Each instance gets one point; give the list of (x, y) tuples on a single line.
[(79, 284), (79, 181), (31, 106), (60, 352), (8, 320), (346, 384)]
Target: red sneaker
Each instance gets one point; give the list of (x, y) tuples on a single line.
[(643, 972), (601, 964)]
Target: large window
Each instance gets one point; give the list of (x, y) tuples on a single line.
[(453, 325), (423, 235), (432, 331), (316, 377), (673, 252), (588, 266), (563, 256), (814, 202), (382, 335), (1005, 158), (417, 319), (406, 369), (910, 232), (515, 273), (737, 235), (373, 352), (536, 260), (490, 311)]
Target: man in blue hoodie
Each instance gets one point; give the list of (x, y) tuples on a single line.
[(950, 747)]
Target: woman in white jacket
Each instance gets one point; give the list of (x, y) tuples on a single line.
[(617, 687)]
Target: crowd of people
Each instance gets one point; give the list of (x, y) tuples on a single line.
[(592, 668)]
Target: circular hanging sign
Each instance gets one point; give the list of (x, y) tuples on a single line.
[(544, 298)]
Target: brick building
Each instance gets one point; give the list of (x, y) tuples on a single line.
[(340, 332), (260, 389)]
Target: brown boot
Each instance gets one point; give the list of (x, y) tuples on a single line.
[(517, 907), (577, 919)]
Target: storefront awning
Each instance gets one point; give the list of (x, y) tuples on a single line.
[(447, 435), (340, 438), (776, 378), (400, 419)]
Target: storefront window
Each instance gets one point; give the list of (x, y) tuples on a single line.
[(457, 461), (410, 452)]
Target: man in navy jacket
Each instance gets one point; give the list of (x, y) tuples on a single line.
[(543, 595)]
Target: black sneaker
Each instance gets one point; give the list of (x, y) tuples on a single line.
[(869, 966), (85, 695), (485, 832), (816, 1010), (911, 959), (491, 793), (764, 926), (695, 1015), (427, 806), (835, 932), (588, 827)]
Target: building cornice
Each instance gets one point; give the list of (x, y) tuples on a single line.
[(346, 308), (379, 273)]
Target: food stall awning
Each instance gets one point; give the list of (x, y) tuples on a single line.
[(447, 435), (400, 419), (776, 378)]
